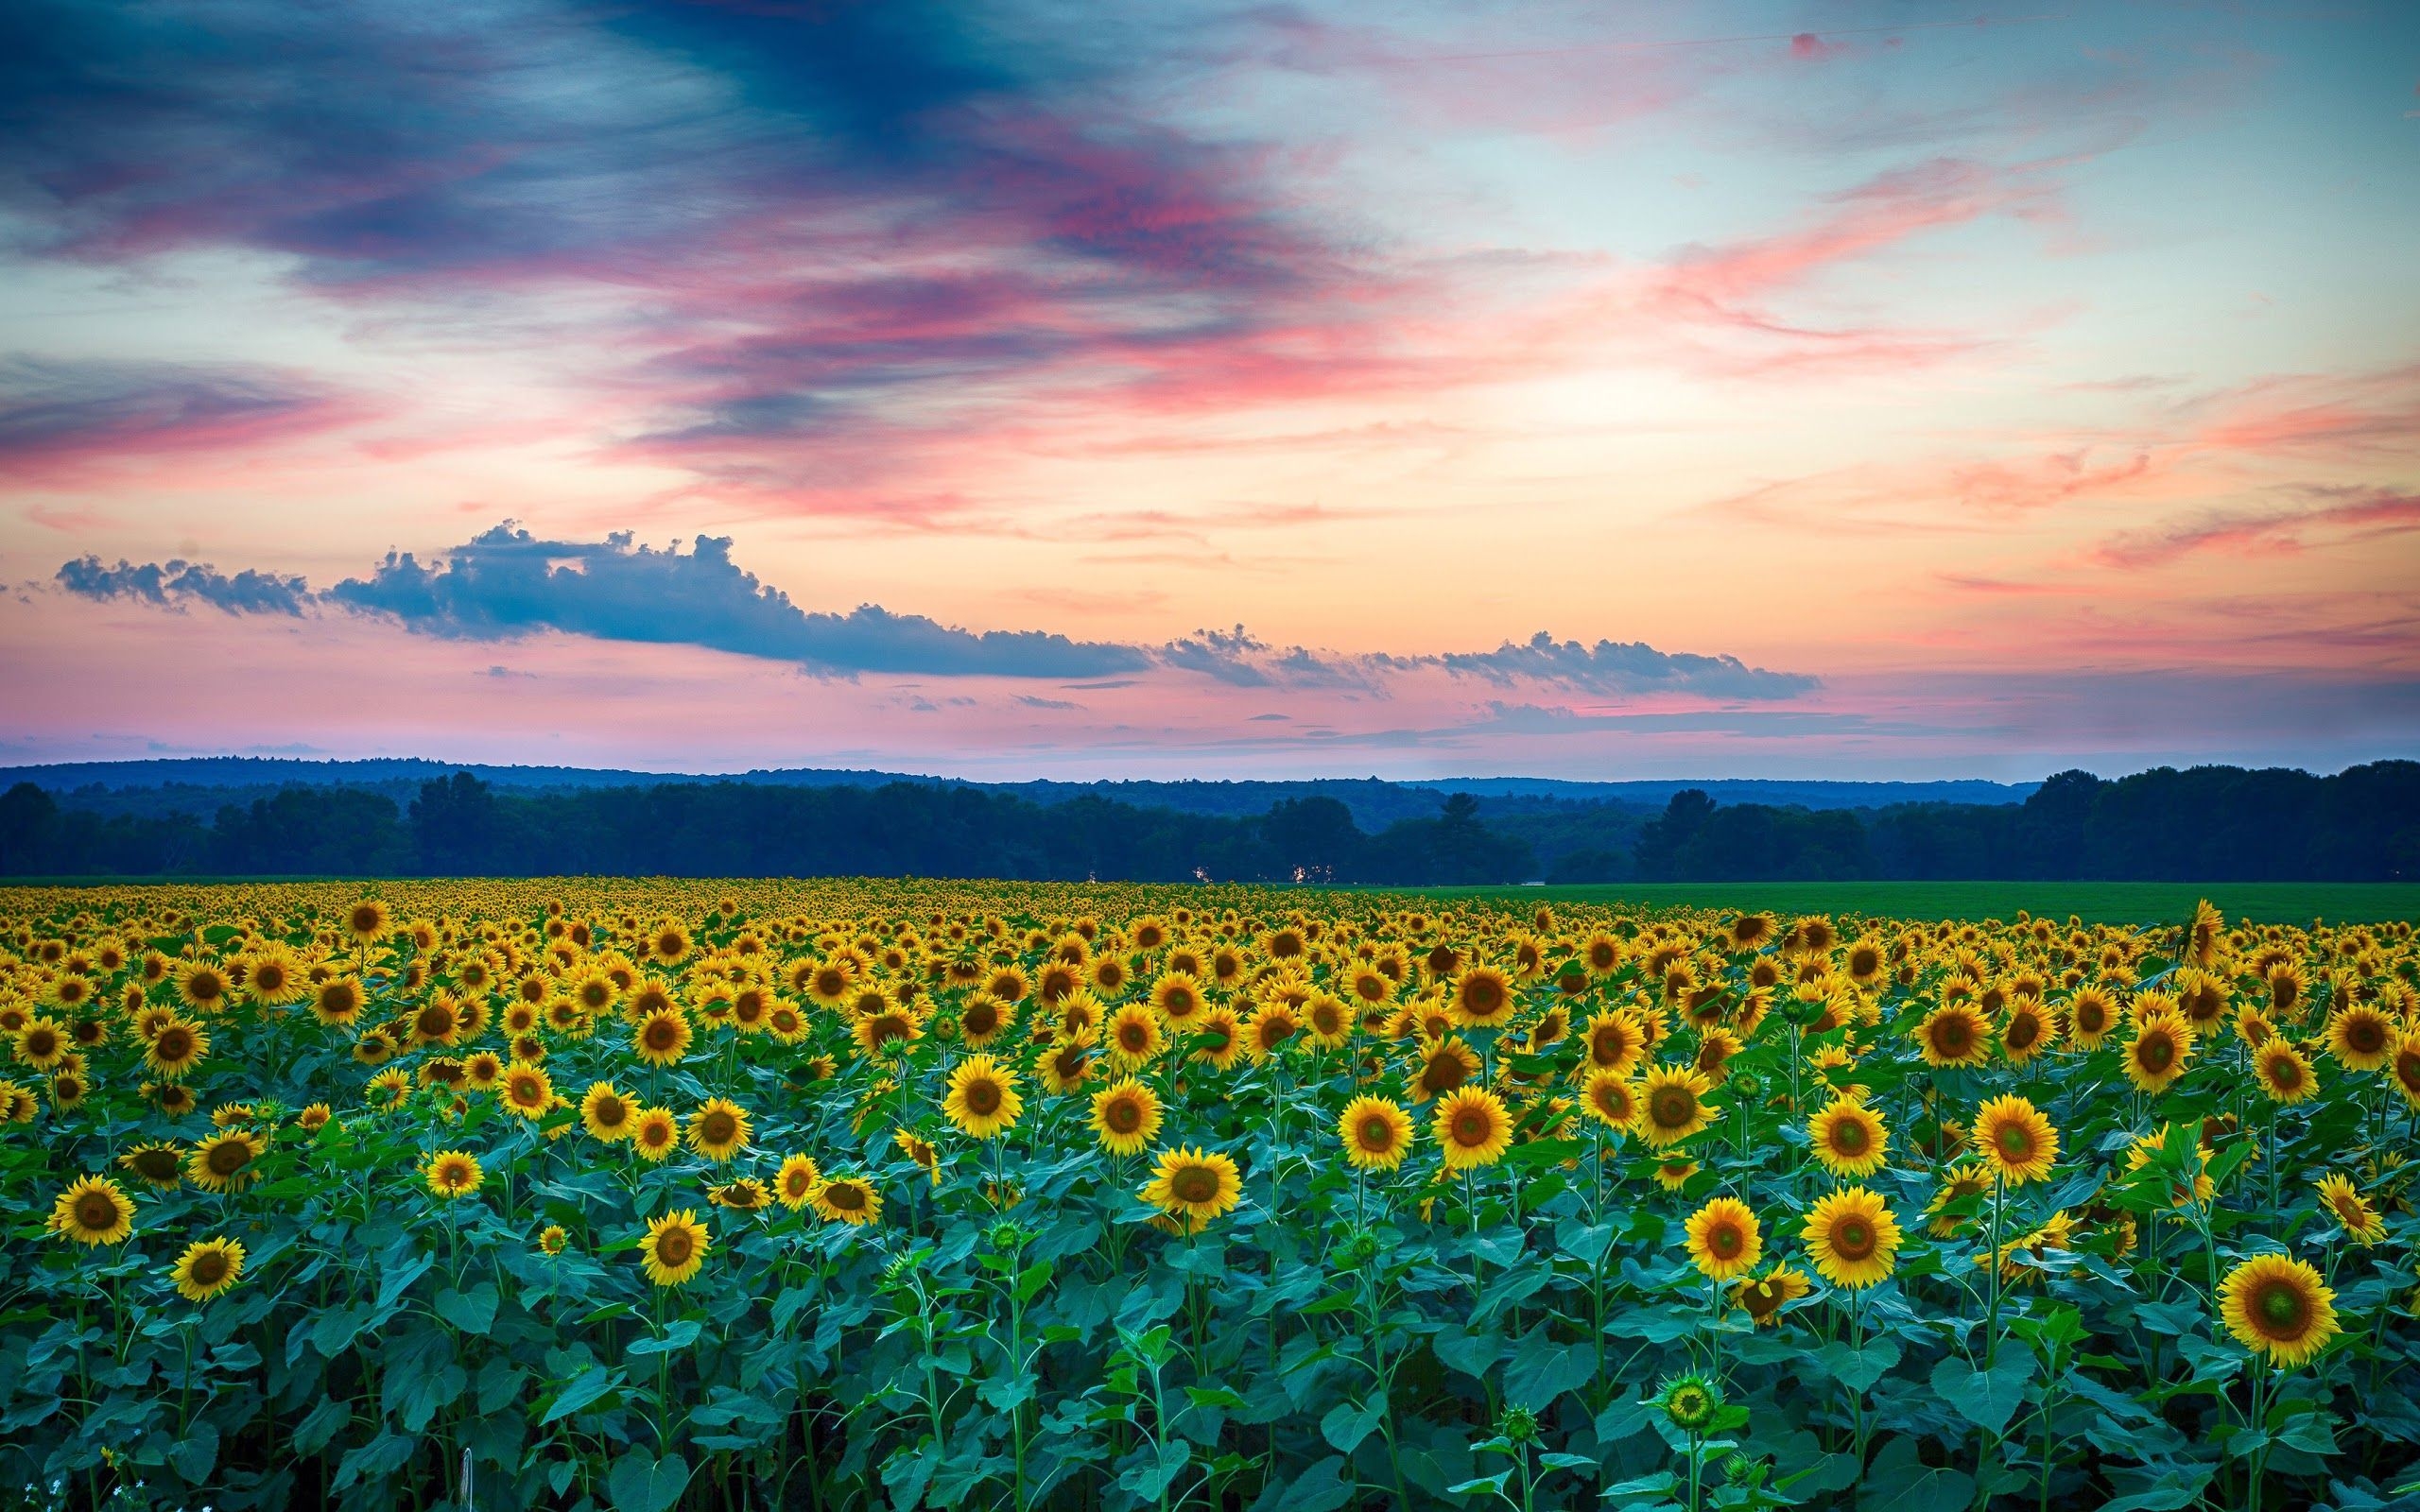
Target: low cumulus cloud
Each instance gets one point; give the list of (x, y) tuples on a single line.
[(507, 582)]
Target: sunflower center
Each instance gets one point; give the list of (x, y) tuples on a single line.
[(982, 1097), (2364, 1036), (1473, 1127), (1672, 1106), (2156, 1053), (1123, 1115), (660, 1034), (1726, 1242), (672, 1247), (720, 1127), (2016, 1143), (209, 1268), (95, 1211), (1852, 1239), (1848, 1137), (230, 1156), (1194, 1184), (845, 1195), (2280, 1306), (1378, 1134)]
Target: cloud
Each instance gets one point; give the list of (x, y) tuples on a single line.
[(1622, 667), (59, 418), (506, 582), (177, 583), (2355, 513)]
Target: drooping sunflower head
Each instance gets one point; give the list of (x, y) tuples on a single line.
[(847, 1199), (158, 1164), (2342, 1202), (1762, 1298), (747, 1194)]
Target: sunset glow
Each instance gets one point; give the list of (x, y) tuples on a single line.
[(1211, 390)]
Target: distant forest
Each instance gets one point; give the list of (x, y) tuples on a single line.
[(2206, 824)]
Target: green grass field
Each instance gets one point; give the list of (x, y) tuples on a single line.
[(2094, 902)]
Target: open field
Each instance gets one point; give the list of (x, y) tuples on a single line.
[(650, 1195), (2094, 902)]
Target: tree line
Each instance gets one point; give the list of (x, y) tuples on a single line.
[(2210, 823)]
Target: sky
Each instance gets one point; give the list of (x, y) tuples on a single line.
[(1607, 390)]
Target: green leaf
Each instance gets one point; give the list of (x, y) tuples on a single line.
[(1346, 1425), (1542, 1370), (473, 1312), (1987, 1398), (1494, 1484), (1325, 1486), (1901, 1484), (1474, 1354), (1858, 1369), (196, 1453), (581, 1390), (678, 1336), (642, 1482)]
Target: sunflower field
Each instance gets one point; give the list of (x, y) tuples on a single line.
[(655, 1194)]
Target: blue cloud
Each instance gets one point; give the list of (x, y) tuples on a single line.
[(1622, 667), (507, 582), (175, 583)]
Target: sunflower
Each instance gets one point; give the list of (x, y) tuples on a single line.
[(1472, 1128), (1724, 1239), (2026, 1031), (2091, 1013), (367, 921), (203, 986), (1125, 1117), (2360, 1038), (1848, 1138), (92, 1211), (1601, 954), (2406, 1066), (2017, 1142), (1853, 1238), (1672, 1106), (1482, 997), (2278, 1307), (223, 1162), (2352, 1212), (1762, 1298), (747, 1194), (2156, 1056), (606, 1112), (1690, 1404), (207, 1268), (1445, 1065), (718, 1129), (1134, 1037), (1673, 1175), (982, 1019), (1955, 1034), (157, 1164), (553, 1239), (452, 1174), (1068, 1063), (917, 1149), (337, 1001), (2285, 1074), (528, 1091), (1376, 1133), (43, 1043), (661, 1038), (1611, 1100), (794, 1184), (656, 1133), (847, 1199), (1192, 1187), (1268, 1031), (675, 1247), (982, 1099), (1616, 1041)]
